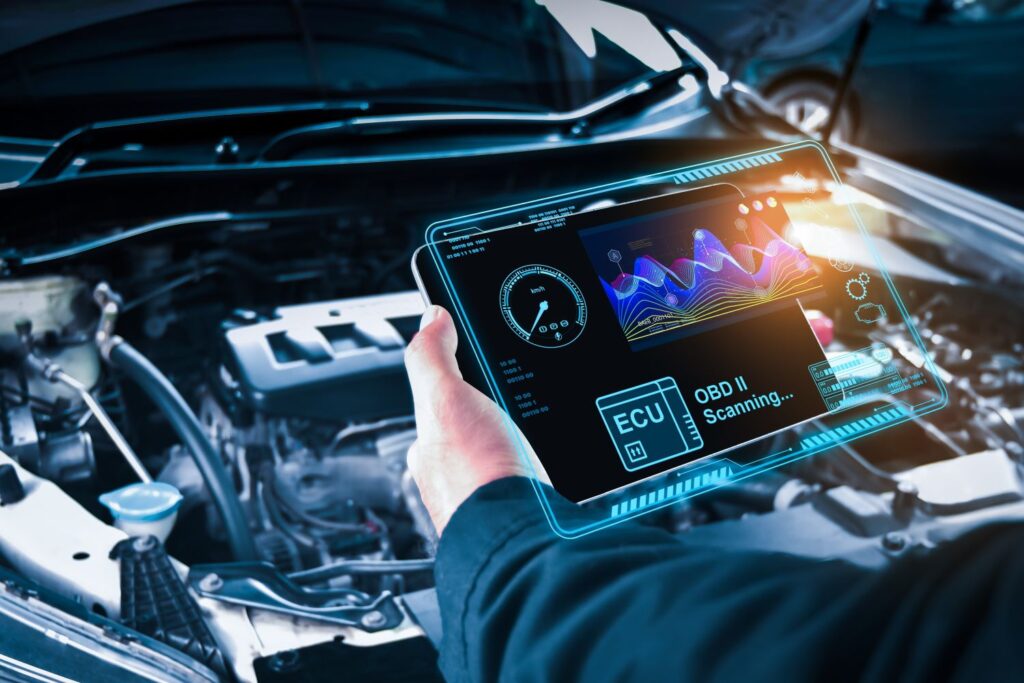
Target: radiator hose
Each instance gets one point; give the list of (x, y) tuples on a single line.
[(155, 384)]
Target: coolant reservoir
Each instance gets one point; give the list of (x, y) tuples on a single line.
[(144, 509), (59, 305)]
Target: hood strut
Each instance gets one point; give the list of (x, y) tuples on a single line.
[(849, 69)]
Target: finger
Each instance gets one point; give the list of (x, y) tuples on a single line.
[(412, 458), (430, 357)]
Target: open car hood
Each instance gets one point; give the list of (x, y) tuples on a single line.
[(734, 30), (730, 29)]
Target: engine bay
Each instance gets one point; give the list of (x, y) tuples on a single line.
[(256, 365)]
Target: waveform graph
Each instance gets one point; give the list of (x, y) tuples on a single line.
[(656, 295)]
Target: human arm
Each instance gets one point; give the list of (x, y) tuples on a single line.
[(635, 603)]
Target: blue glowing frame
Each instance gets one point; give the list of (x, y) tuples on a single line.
[(713, 472)]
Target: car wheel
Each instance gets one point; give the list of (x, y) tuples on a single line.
[(806, 105)]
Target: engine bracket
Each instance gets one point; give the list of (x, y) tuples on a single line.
[(259, 584)]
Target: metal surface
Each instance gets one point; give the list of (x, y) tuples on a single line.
[(859, 527), (966, 217), (43, 643), (52, 372), (259, 584), (246, 633), (108, 425), (63, 458), (54, 541)]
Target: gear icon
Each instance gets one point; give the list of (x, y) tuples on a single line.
[(840, 263), (857, 287)]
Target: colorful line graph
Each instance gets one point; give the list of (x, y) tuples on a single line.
[(655, 298)]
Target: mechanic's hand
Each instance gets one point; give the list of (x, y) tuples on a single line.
[(463, 440)]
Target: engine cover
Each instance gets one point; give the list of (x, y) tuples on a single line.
[(325, 360)]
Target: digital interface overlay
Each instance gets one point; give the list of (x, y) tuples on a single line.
[(664, 280), (686, 390), (714, 390)]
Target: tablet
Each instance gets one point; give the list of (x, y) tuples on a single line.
[(650, 337), (631, 340)]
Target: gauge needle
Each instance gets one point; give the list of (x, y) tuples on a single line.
[(540, 311)]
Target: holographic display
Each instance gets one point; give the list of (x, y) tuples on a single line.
[(681, 393), (666, 278), (649, 423), (651, 339), (543, 306)]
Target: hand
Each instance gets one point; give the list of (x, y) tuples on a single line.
[(463, 439)]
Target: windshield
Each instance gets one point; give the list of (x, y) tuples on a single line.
[(227, 53)]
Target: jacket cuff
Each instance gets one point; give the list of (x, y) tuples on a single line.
[(483, 523), (494, 518)]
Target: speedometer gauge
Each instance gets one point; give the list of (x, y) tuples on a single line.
[(543, 306)]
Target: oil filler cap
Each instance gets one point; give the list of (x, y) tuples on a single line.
[(11, 489)]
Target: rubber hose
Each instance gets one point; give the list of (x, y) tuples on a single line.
[(160, 390)]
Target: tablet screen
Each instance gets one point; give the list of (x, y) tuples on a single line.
[(639, 338)]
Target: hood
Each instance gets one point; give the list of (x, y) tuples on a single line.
[(733, 31), (24, 22)]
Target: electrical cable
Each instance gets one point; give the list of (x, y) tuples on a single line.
[(281, 523), (359, 429), (304, 516)]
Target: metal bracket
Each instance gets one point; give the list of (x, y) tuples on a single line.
[(259, 584), (110, 307)]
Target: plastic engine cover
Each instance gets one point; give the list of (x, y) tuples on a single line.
[(326, 360)]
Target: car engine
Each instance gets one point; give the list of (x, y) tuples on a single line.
[(307, 406), (322, 488), (257, 367)]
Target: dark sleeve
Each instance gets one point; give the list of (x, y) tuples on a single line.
[(634, 603)]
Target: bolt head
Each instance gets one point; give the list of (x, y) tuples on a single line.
[(374, 619), (211, 583), (144, 543), (284, 662), (894, 541), (907, 488)]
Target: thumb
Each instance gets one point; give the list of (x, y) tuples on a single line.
[(430, 357)]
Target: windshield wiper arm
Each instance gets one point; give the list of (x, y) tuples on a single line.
[(208, 126), (574, 121)]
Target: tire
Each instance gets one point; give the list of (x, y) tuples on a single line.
[(805, 103)]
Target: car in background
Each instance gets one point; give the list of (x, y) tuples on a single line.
[(938, 79)]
